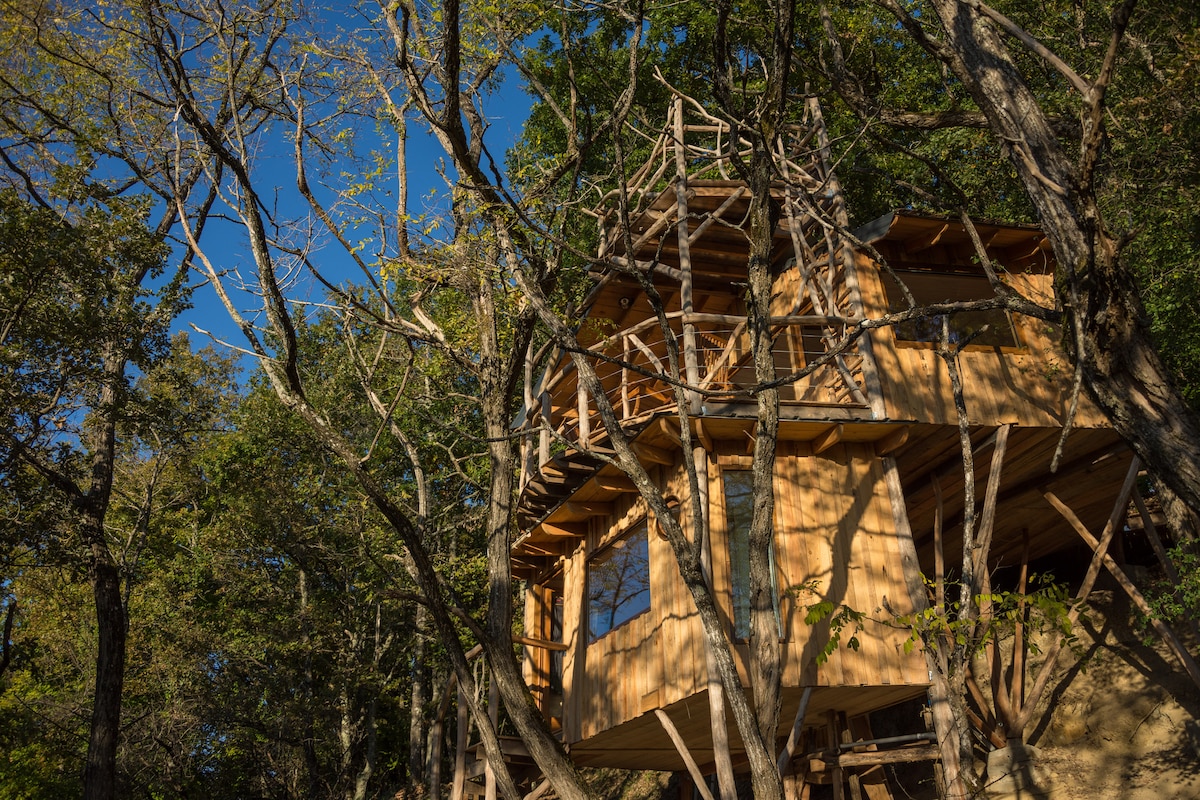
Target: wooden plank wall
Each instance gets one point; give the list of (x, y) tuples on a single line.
[(834, 531), (624, 674), (1030, 385), (833, 527)]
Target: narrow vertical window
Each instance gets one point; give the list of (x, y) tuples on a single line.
[(739, 511), (619, 582), (556, 635)]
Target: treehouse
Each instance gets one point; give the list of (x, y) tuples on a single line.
[(869, 463)]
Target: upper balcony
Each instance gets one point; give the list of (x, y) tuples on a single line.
[(685, 341)]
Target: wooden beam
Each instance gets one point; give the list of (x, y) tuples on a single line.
[(987, 520), (692, 767), (615, 483), (1051, 653), (892, 442), (542, 548), (703, 436), (902, 755), (669, 430), (1189, 664), (926, 240), (789, 749), (653, 455), (544, 644), (828, 438), (939, 551), (939, 701), (581, 510), (562, 530), (715, 215)]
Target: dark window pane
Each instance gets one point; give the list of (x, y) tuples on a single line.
[(739, 511), (556, 635), (619, 582), (932, 287)]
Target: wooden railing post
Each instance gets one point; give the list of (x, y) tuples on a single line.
[(690, 363), (581, 406), (544, 436), (626, 411)]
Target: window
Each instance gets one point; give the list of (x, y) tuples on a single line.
[(556, 635), (619, 582), (929, 287), (739, 510)]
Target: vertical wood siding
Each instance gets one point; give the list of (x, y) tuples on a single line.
[(833, 530), (1029, 385)]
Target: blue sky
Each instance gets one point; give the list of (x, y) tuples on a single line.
[(508, 110)]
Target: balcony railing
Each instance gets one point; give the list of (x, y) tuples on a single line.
[(714, 372)]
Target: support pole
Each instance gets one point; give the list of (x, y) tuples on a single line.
[(789, 749), (1189, 664), (1051, 656), (690, 358), (692, 767), (716, 690)]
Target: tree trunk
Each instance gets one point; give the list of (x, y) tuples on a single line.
[(546, 750), (112, 622), (765, 667), (100, 771), (418, 699), (1105, 325)]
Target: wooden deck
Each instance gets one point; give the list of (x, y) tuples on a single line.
[(642, 744)]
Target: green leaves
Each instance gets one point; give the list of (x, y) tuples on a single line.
[(839, 618)]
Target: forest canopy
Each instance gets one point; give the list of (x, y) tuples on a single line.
[(249, 564)]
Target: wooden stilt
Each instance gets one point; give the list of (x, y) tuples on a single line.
[(1168, 636), (835, 736), (789, 749), (716, 691), (692, 767), (871, 779), (1089, 580), (987, 520), (939, 704), (939, 553)]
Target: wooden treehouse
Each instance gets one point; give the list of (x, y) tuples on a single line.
[(869, 450)]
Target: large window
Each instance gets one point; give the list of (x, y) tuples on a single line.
[(619, 582), (929, 287), (739, 510)]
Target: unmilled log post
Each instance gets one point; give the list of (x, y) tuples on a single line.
[(692, 767), (1189, 664)]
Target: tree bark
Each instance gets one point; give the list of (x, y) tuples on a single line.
[(760, 123), (497, 374), (417, 700), (112, 624), (766, 654), (1105, 323), (100, 770)]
